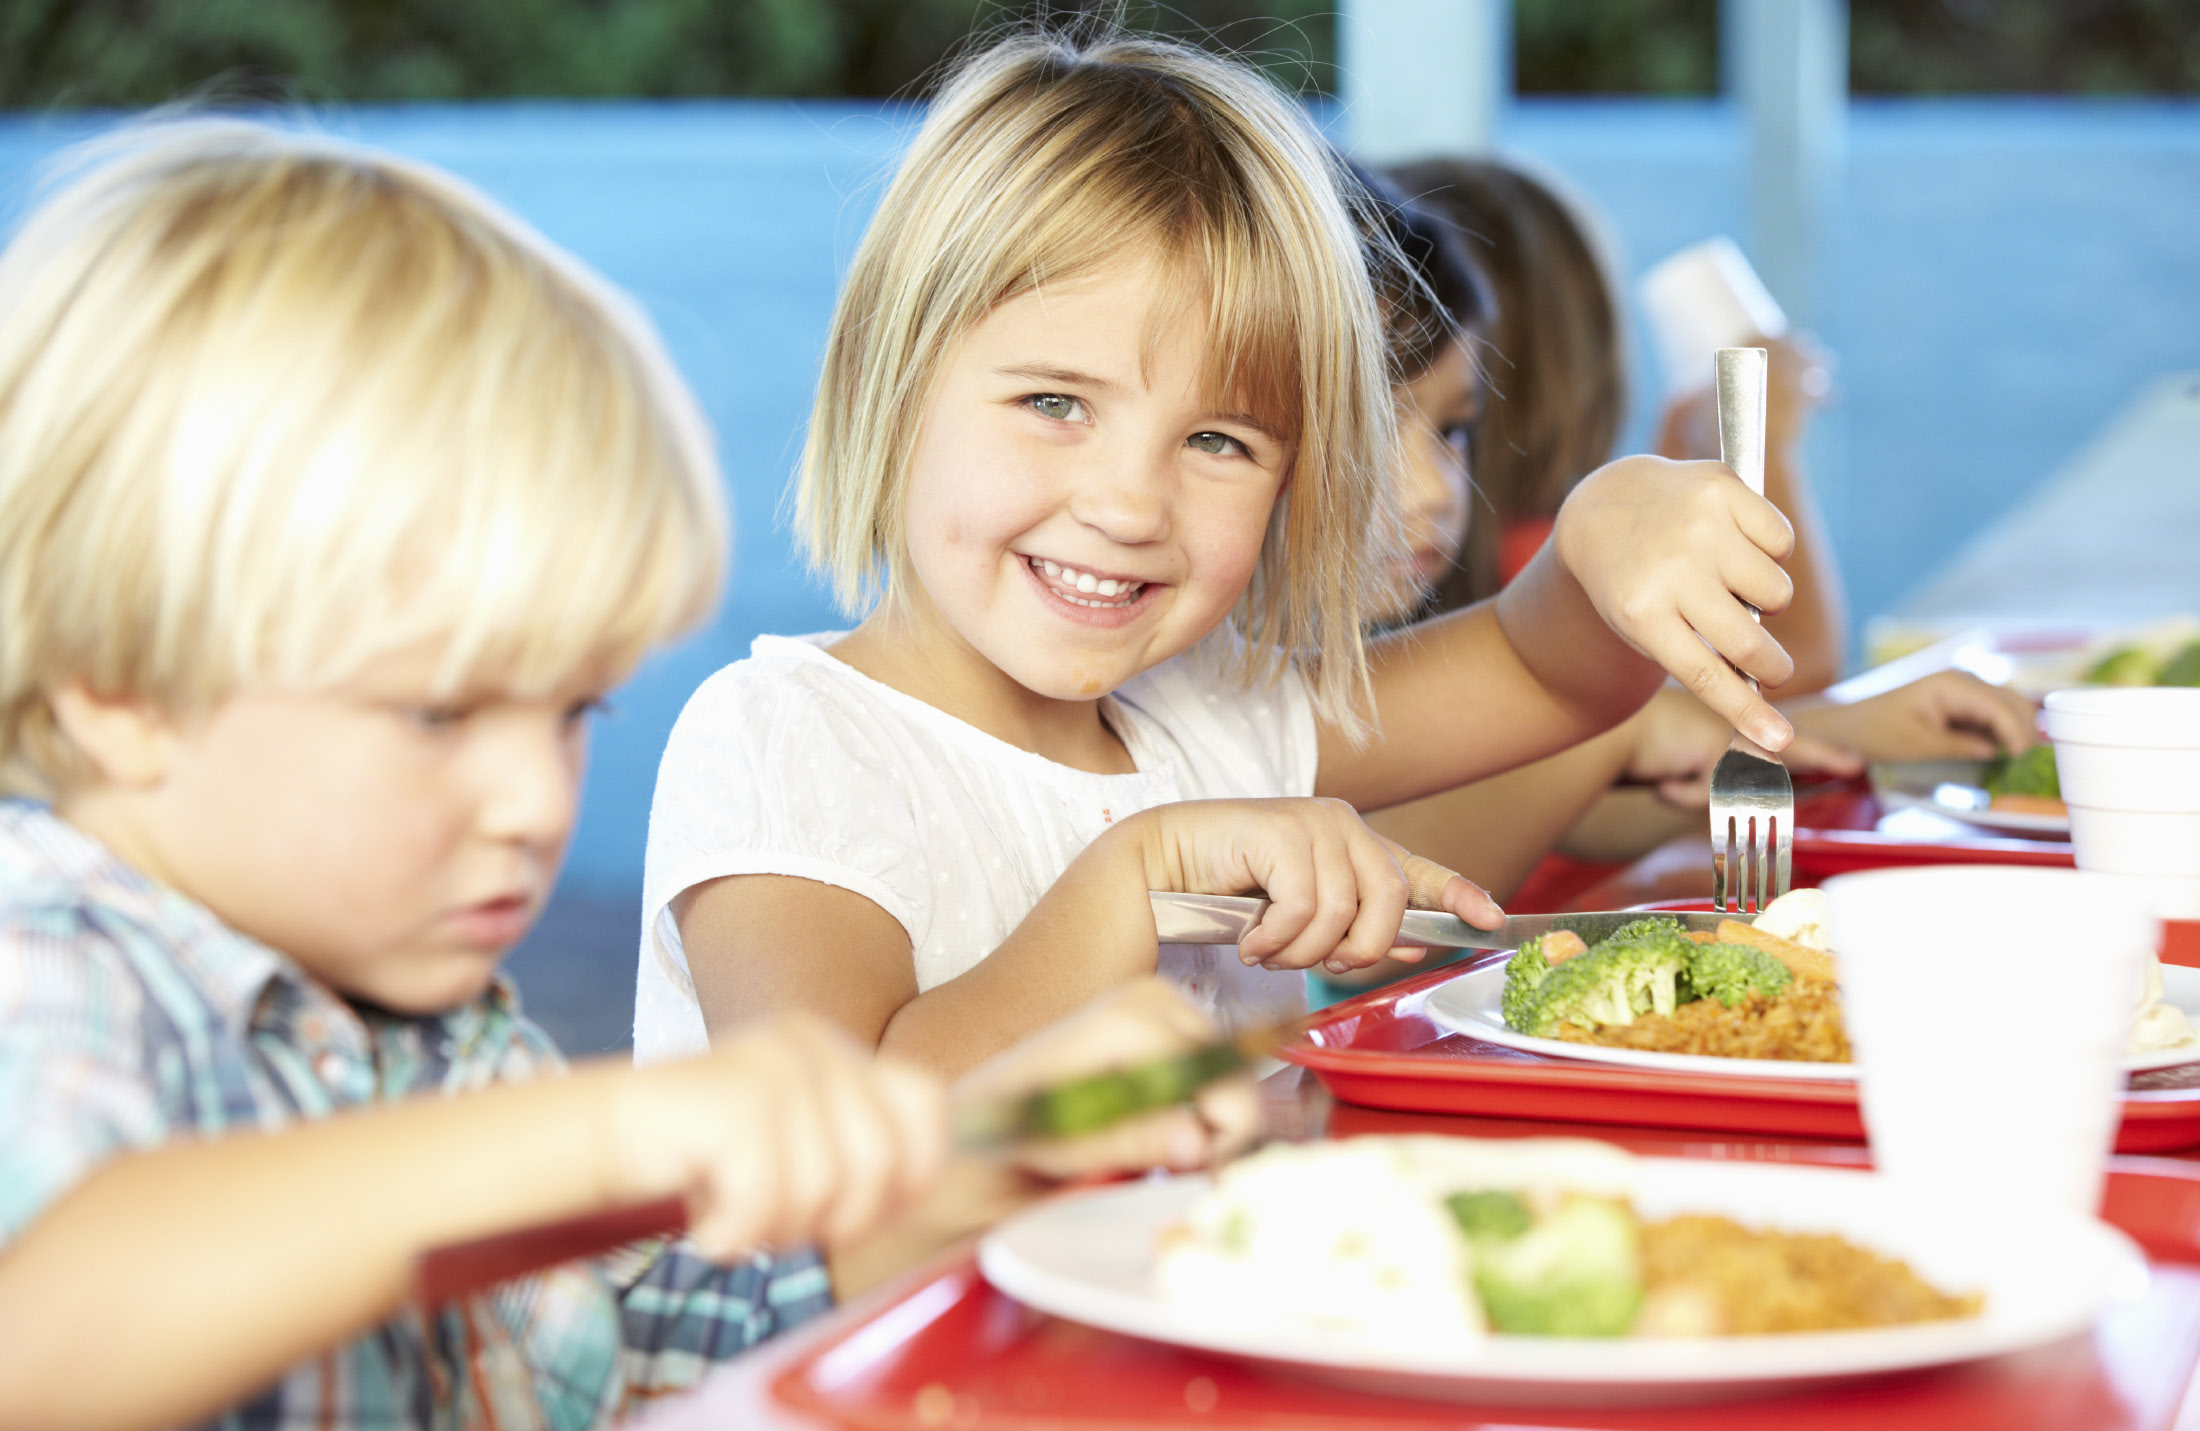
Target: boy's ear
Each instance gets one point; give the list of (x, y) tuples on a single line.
[(127, 741)]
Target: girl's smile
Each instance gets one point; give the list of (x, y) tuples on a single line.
[(1079, 509), (1102, 600)]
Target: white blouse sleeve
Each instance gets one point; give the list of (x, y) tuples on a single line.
[(768, 773)]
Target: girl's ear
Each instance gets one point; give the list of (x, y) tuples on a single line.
[(128, 742)]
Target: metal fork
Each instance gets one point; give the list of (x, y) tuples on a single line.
[(1752, 798)]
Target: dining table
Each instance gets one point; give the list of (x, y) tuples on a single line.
[(938, 1347)]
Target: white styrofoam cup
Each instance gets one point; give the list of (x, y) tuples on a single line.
[(1701, 299), (2128, 758), (1989, 1007)]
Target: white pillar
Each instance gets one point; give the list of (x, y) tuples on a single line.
[(1422, 77), (1786, 63)]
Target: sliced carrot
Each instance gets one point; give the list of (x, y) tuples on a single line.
[(1562, 944), (2030, 805), (1803, 961)]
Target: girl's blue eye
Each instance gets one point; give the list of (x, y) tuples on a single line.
[(1055, 406), (437, 717), (1459, 437), (1217, 444)]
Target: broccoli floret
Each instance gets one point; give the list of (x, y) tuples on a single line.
[(2124, 666), (1524, 974), (1727, 972), (2182, 669), (1638, 970), (2032, 773), (1577, 1273), (1489, 1216)]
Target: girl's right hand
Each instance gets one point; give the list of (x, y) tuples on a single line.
[(785, 1134), (1668, 553), (1336, 890)]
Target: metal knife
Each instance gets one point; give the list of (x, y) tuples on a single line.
[(1228, 918)]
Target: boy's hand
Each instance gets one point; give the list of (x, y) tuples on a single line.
[(1668, 552), (1336, 890), (1139, 1023), (1948, 715), (791, 1133)]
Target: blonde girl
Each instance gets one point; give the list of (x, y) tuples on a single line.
[(1104, 433)]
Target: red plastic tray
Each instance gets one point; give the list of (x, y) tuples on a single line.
[(951, 1352), (1381, 1049), (1839, 829)]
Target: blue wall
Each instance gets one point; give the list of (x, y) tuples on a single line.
[(2002, 276)]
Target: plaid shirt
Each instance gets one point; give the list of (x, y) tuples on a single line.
[(130, 1015)]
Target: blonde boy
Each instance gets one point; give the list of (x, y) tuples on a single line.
[(331, 500)]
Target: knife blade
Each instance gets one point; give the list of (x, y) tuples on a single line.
[(1228, 918)]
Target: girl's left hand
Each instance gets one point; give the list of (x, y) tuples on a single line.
[(1948, 715), (1669, 552)]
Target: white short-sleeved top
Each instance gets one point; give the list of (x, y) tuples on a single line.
[(794, 763)]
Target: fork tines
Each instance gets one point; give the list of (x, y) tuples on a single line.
[(1743, 879)]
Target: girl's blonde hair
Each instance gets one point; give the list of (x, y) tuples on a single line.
[(1045, 158), (272, 405)]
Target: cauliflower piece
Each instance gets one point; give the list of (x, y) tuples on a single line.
[(1801, 916), (2157, 1024), (1335, 1237)]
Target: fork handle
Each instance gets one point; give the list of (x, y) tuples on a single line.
[(1739, 375)]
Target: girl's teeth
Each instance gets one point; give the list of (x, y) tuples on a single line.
[(1085, 582)]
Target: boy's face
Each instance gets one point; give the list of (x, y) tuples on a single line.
[(394, 845)]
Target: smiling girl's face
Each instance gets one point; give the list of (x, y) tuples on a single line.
[(1079, 509)]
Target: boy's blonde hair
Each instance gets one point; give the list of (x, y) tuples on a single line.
[(1045, 158), (272, 405)]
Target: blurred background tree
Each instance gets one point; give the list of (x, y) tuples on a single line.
[(82, 53), (133, 52)]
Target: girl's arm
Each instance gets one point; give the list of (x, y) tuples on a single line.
[(1650, 564), (174, 1282), (759, 943), (1502, 826)]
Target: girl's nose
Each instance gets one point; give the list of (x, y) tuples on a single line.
[(1127, 501)]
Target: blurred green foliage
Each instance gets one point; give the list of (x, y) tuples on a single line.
[(1616, 46), (134, 52), (2033, 46), (75, 53)]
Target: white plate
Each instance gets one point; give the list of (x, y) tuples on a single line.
[(1089, 1257), (1953, 788), (1472, 1004)]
